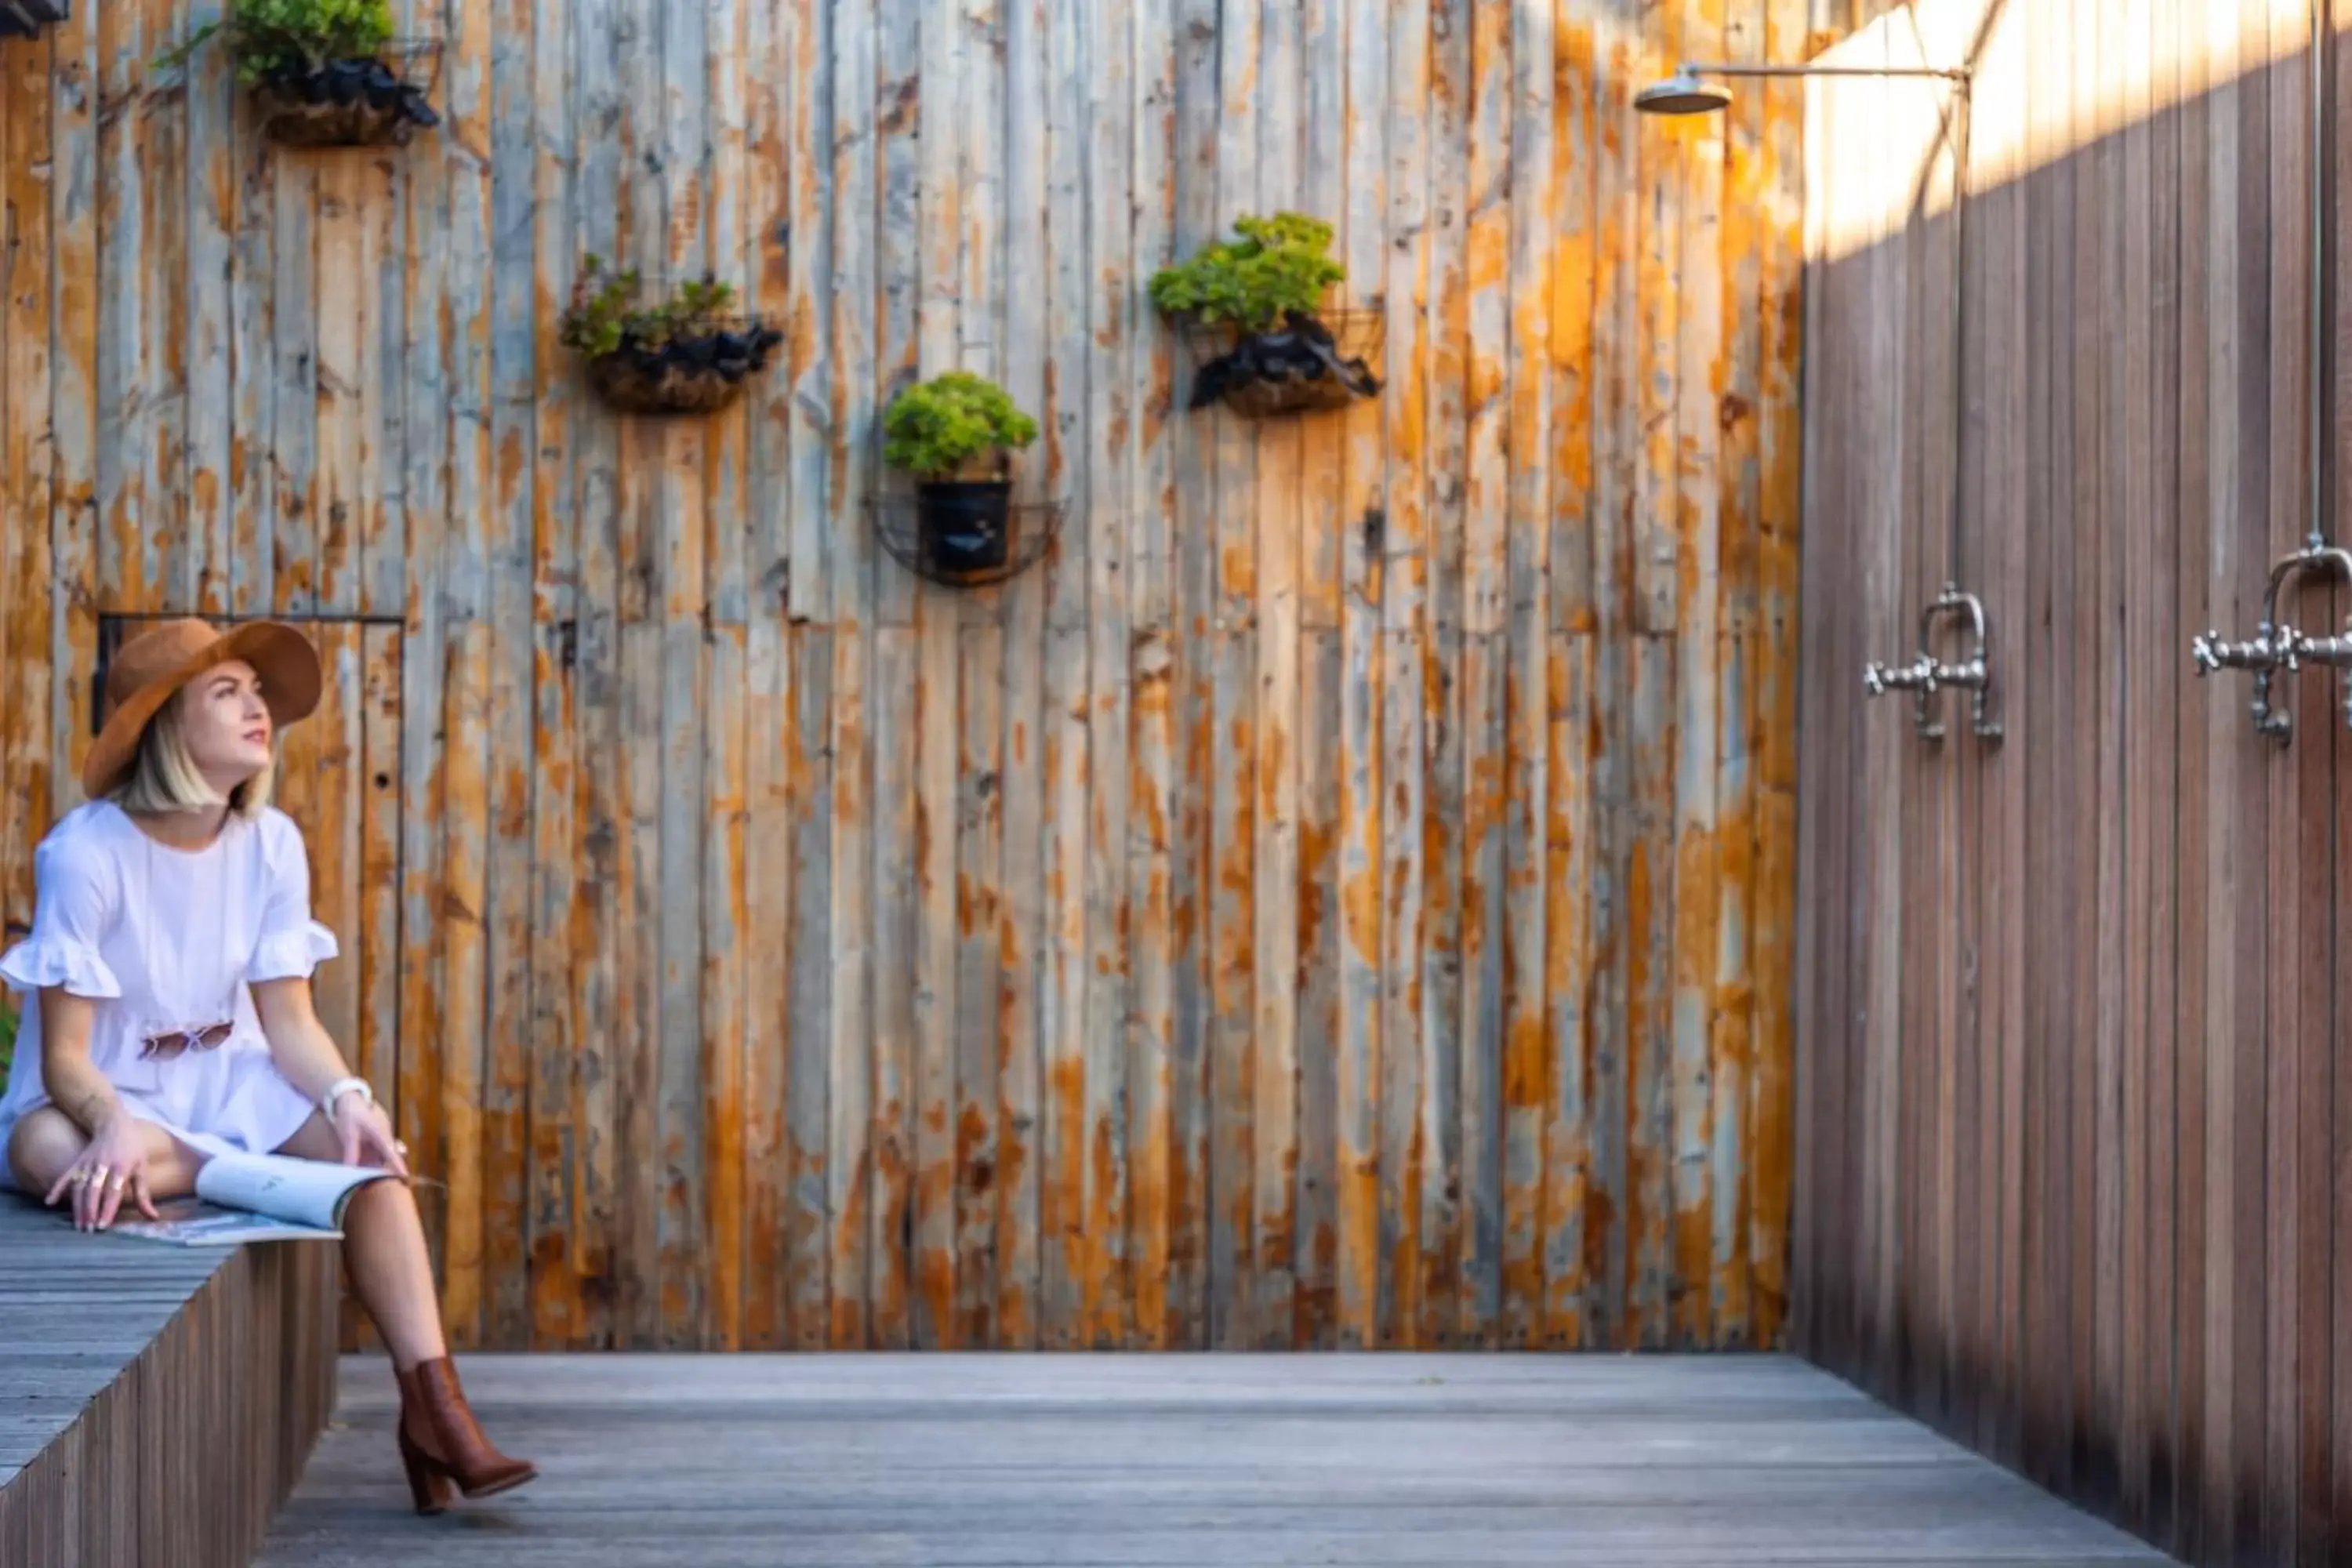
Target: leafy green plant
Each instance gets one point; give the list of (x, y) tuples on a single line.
[(7, 1038), (276, 39), (935, 429), (1279, 265), (605, 314)]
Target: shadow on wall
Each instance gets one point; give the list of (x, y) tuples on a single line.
[(2069, 1008)]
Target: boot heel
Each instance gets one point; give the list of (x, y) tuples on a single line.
[(443, 1444), (428, 1487)]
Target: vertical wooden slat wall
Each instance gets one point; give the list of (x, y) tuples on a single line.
[(1341, 898), (2072, 1132)]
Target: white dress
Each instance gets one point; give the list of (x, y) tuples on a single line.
[(168, 940)]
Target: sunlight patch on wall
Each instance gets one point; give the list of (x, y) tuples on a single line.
[(2047, 85)]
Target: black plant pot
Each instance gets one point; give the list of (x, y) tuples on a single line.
[(344, 80), (694, 375), (964, 523), (358, 103)]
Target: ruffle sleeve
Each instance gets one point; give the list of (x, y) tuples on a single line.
[(36, 964), (291, 944), (73, 903), (297, 951)]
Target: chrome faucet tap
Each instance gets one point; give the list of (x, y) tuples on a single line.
[(2266, 655), (2276, 649), (2336, 652), (1926, 675), (1974, 676), (1917, 677), (1917, 674), (2213, 654)]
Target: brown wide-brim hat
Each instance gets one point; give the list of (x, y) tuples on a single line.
[(152, 668)]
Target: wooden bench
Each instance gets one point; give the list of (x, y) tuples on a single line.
[(157, 1403)]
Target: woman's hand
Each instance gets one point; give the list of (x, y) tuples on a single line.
[(365, 1130), (305, 1057), (114, 1164)]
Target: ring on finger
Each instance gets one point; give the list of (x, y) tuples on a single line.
[(116, 1181), (78, 1178)]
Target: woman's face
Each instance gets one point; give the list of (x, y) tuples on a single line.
[(226, 725)]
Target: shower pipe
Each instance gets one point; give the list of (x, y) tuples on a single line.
[(2276, 648)]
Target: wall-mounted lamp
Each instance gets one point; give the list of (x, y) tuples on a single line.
[(1685, 93)]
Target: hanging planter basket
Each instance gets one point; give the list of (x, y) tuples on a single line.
[(966, 533), (25, 18), (696, 372), (1256, 310), (687, 354), (1310, 364), (376, 101)]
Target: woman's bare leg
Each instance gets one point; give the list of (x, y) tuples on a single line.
[(47, 1142), (383, 1251)]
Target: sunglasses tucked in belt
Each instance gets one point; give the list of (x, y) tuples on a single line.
[(164, 1046)]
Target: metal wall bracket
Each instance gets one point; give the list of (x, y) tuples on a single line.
[(1924, 675), (2278, 649)]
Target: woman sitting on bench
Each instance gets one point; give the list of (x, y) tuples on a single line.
[(171, 951)]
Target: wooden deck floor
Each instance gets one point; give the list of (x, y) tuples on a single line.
[(1179, 1462)]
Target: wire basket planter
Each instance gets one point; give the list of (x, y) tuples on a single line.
[(951, 545), (375, 102), (1310, 364), (694, 374)]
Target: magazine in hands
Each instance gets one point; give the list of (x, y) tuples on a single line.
[(255, 1197)]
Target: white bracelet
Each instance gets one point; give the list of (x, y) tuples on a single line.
[(340, 1087)]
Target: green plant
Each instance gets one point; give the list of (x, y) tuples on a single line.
[(7, 1038), (273, 38), (934, 429), (604, 313), (1280, 265)]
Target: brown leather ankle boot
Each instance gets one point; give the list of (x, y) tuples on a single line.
[(441, 1443)]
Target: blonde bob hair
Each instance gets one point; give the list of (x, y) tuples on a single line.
[(163, 778)]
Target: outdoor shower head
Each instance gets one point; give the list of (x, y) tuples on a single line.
[(1682, 93), (1685, 93)]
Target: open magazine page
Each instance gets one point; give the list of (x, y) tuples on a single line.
[(255, 1197), (190, 1222), (301, 1192)]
